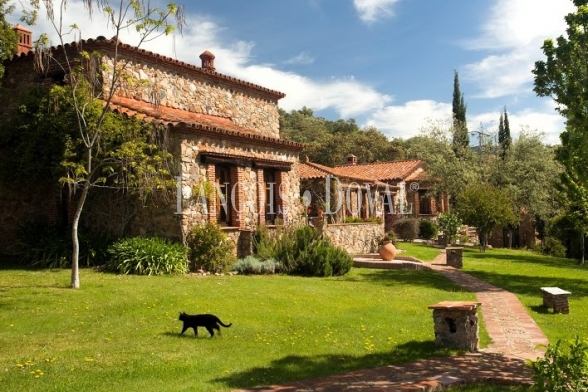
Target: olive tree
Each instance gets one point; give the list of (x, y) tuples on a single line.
[(485, 207)]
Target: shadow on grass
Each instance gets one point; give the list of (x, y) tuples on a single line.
[(395, 278), (189, 335), (525, 257), (531, 285), (540, 309), (297, 367)]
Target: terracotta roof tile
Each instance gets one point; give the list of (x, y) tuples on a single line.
[(383, 171), (311, 170), (134, 51), (182, 118)]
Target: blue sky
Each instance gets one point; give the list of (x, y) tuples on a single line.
[(387, 63)]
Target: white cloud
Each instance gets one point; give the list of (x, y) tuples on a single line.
[(543, 120), (405, 121), (372, 10), (348, 97), (303, 58), (514, 34)]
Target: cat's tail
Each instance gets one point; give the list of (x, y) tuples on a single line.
[(224, 325)]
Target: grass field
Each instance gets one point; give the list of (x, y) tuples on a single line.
[(524, 273), (421, 251), (121, 332)]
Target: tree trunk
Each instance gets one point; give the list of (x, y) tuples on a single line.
[(75, 258), (581, 261), (482, 237)]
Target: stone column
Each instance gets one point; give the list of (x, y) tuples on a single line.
[(454, 257), (211, 177), (237, 197), (456, 324), (260, 198)]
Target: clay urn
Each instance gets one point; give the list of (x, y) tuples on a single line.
[(387, 251)]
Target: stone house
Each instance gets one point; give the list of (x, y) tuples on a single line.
[(222, 131), (524, 235), (341, 197), (397, 187)]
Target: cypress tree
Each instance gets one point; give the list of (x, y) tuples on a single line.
[(461, 139), (504, 139)]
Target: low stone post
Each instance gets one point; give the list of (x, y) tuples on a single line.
[(456, 324), (454, 257)]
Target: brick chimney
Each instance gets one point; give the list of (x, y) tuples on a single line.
[(25, 41), (207, 60), (351, 160)]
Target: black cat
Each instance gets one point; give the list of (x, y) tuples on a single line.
[(208, 321)]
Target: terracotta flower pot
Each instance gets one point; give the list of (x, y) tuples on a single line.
[(387, 251)]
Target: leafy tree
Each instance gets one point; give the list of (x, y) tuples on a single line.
[(529, 174), (449, 224), (330, 142), (88, 161), (563, 76), (485, 207), (8, 37), (461, 138), (504, 138), (450, 172)]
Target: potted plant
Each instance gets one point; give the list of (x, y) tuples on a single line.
[(386, 246)]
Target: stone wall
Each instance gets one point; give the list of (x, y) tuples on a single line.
[(193, 173), (155, 82), (356, 238)]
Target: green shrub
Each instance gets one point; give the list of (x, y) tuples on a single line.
[(43, 245), (562, 368), (406, 228), (341, 262), (251, 265), (387, 237), (301, 252), (427, 229), (553, 247), (210, 249), (147, 256), (264, 242), (353, 219), (449, 224)]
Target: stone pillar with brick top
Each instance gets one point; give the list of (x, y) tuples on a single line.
[(454, 256), (456, 324)]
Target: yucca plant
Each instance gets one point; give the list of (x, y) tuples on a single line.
[(147, 256)]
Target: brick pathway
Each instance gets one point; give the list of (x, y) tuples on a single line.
[(512, 330), (514, 339)]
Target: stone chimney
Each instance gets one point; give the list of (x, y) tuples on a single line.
[(351, 160), (25, 41), (207, 60)]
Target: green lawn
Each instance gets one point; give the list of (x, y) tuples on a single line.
[(524, 273), (121, 332), (421, 251)]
